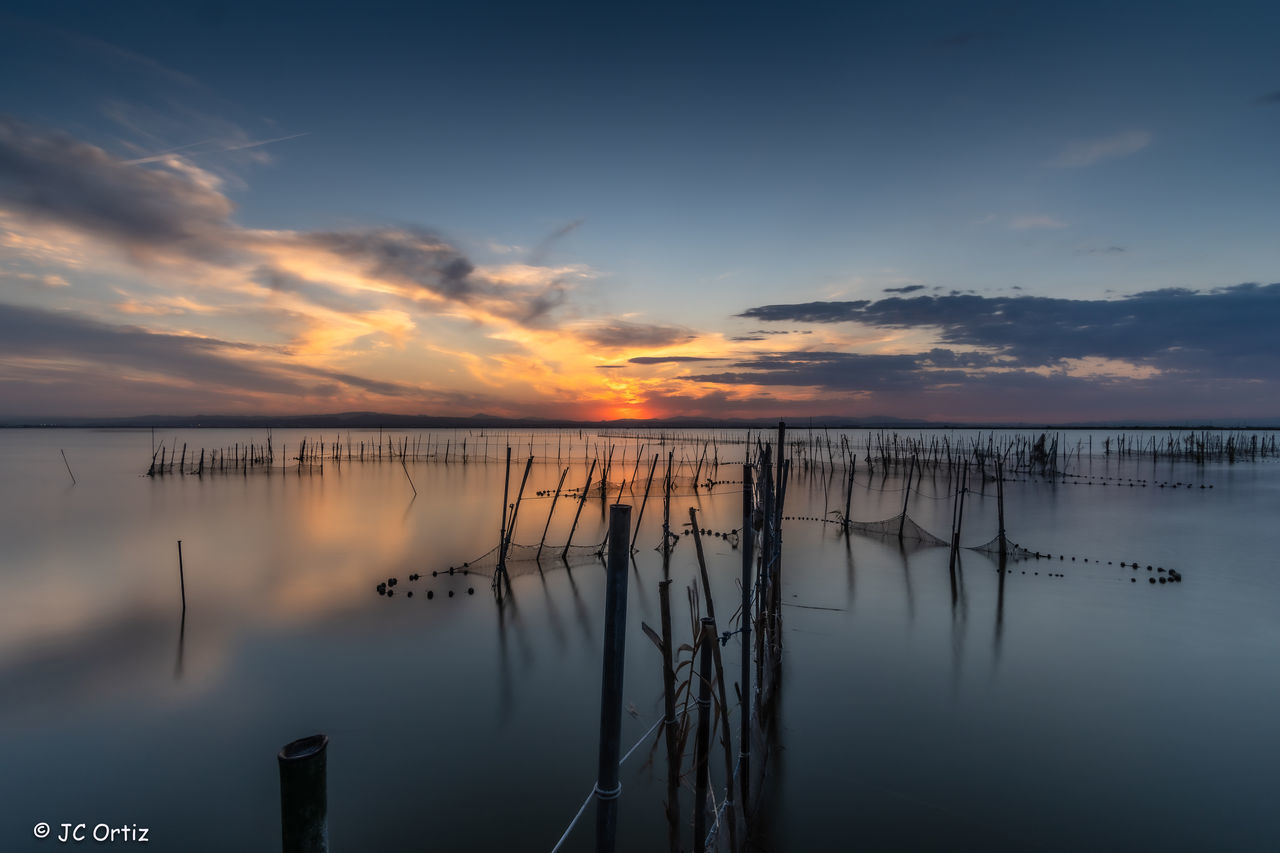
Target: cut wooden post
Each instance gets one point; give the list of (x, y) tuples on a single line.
[(304, 820), (608, 788)]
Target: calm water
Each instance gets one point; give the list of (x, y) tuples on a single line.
[(1058, 713)]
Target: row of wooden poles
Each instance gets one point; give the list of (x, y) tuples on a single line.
[(312, 454), (511, 511), (303, 763), (761, 606), (1046, 454)]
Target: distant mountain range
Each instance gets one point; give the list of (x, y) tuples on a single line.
[(375, 420)]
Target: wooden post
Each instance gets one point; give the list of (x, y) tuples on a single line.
[(547, 526), (502, 531), (68, 464), (582, 499), (725, 735), (1000, 504), (666, 511), (643, 501), (763, 582), (672, 729), (182, 581), (608, 788), (906, 496), (304, 820), (703, 742), (744, 736), (515, 511), (848, 492), (957, 516)]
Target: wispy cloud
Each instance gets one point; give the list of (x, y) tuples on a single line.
[(622, 334), (1088, 152), (208, 146), (32, 332), (1269, 99), (668, 359), (54, 177)]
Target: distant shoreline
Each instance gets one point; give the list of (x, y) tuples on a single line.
[(374, 420)]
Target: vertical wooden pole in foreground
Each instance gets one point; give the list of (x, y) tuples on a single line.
[(304, 821), (702, 745), (608, 788), (744, 737)]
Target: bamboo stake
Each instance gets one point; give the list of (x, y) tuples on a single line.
[(724, 702), (582, 499), (671, 729), (552, 512)]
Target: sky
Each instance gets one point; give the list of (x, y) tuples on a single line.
[(962, 212)]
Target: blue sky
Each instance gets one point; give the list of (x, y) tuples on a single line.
[(285, 188)]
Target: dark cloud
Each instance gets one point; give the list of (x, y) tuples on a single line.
[(906, 288), (418, 258), (611, 367), (621, 334), (835, 370), (948, 385), (1269, 99), (807, 312), (762, 334), (58, 337), (53, 177), (164, 204), (664, 359), (1229, 332), (282, 281), (409, 256)]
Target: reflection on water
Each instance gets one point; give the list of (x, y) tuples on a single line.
[(1102, 707)]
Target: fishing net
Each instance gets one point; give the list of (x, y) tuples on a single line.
[(526, 559), (891, 526), (1012, 550)]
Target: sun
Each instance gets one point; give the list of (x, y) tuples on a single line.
[(621, 411)]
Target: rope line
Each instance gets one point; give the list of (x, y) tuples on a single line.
[(607, 795)]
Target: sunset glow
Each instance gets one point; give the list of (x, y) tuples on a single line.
[(178, 237)]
